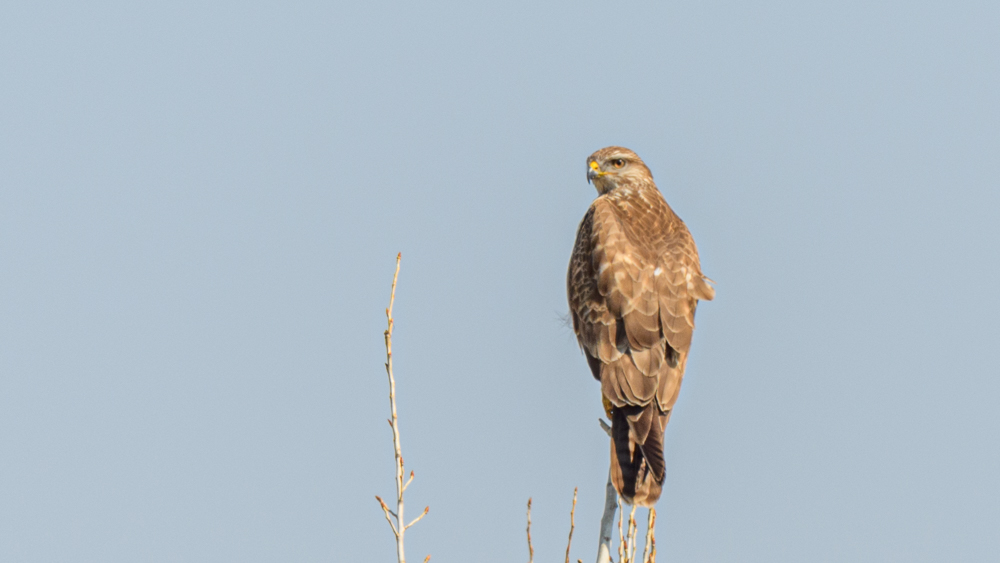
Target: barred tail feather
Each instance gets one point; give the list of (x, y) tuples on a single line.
[(637, 470)]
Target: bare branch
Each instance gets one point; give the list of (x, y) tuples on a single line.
[(607, 522), (531, 550), (626, 537), (387, 513), (622, 541), (605, 427), (650, 546), (631, 536), (572, 524), (398, 528), (417, 519)]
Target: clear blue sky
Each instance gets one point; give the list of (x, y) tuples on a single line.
[(200, 208)]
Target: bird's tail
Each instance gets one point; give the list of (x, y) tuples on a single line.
[(637, 465)]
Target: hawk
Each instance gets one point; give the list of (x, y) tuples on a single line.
[(633, 284)]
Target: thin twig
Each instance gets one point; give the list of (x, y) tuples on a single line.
[(622, 541), (531, 550), (417, 519), (648, 548), (572, 524), (631, 535), (384, 507), (387, 513), (400, 526), (394, 421)]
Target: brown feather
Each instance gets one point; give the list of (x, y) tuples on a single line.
[(633, 284)]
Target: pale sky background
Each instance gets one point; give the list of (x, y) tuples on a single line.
[(200, 207)]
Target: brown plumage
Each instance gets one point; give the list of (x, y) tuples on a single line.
[(633, 284)]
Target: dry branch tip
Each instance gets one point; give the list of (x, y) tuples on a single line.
[(531, 549), (572, 524), (605, 427)]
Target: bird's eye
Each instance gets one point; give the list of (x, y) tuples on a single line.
[(618, 163)]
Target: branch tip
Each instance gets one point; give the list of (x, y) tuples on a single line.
[(531, 549), (417, 519), (605, 427), (572, 524)]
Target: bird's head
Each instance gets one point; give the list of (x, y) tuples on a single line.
[(611, 167)]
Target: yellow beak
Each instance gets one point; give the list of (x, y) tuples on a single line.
[(594, 172)]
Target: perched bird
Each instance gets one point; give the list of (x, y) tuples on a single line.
[(633, 284)]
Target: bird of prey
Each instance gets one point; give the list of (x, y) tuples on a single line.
[(633, 284)]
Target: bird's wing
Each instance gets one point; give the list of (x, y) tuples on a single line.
[(614, 307), (679, 281)]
